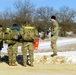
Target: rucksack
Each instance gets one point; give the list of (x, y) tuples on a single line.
[(11, 35), (28, 34), (14, 34)]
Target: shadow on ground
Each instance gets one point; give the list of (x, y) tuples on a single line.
[(19, 59)]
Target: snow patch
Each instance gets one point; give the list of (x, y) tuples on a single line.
[(55, 60)]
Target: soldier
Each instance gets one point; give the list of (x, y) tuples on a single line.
[(28, 34), (54, 35), (12, 44), (1, 40)]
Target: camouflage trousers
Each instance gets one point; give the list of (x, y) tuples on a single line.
[(12, 52), (28, 47), (53, 44)]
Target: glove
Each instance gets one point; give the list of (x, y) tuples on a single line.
[(51, 35)]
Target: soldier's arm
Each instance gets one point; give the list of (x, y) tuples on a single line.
[(20, 35), (21, 32), (36, 33), (55, 28)]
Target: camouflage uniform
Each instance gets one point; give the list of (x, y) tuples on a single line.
[(28, 46), (54, 36), (12, 47), (1, 39), (12, 53)]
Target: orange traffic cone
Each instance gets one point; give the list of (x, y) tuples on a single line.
[(36, 43)]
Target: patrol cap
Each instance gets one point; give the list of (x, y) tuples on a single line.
[(1, 26), (53, 17)]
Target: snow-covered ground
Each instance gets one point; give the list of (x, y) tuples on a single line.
[(60, 42), (68, 57), (45, 45)]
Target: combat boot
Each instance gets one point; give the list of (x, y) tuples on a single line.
[(31, 64), (14, 64), (0, 59), (53, 55), (10, 64), (24, 64)]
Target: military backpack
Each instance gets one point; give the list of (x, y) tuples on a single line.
[(11, 35), (28, 34)]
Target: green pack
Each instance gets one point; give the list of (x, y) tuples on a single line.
[(14, 34), (28, 34), (11, 35)]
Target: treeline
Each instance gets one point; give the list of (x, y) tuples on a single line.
[(39, 17)]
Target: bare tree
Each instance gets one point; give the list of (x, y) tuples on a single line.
[(66, 17), (66, 14), (6, 18), (24, 11), (43, 15)]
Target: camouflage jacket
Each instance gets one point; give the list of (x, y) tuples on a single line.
[(54, 28), (1, 35), (22, 32)]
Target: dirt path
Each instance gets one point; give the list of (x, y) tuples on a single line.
[(38, 69)]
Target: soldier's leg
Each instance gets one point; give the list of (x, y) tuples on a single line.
[(31, 57), (31, 53), (10, 54), (15, 51), (53, 45), (0, 55), (24, 53)]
